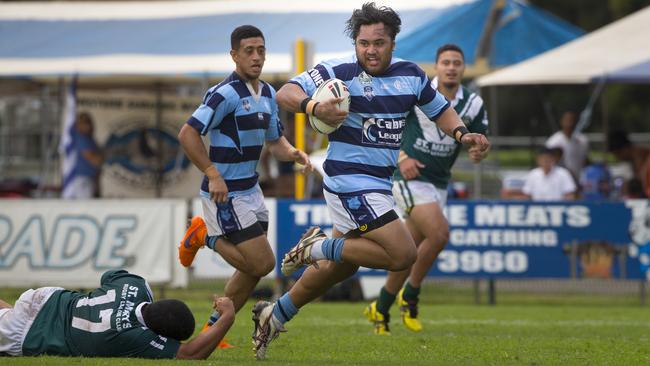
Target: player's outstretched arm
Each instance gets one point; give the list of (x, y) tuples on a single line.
[(282, 150), (201, 346), (449, 121)]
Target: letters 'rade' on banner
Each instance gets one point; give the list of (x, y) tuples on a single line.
[(48, 242)]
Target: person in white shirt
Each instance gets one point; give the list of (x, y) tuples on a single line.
[(574, 144), (549, 182)]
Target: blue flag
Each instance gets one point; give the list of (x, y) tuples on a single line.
[(66, 145)]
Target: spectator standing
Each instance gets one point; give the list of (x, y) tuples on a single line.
[(574, 144), (82, 181)]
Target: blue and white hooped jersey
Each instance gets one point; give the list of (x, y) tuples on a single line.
[(362, 153), (238, 124)]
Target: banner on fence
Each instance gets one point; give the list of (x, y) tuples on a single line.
[(71, 243), (518, 239)]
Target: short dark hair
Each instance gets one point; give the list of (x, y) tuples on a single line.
[(617, 140), (243, 32), (169, 318), (371, 14), (544, 150), (449, 47)]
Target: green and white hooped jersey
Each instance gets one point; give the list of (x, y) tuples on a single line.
[(106, 322), (424, 141)]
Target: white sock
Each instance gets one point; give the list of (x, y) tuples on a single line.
[(317, 251)]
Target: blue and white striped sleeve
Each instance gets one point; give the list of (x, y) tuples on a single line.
[(275, 129), (432, 103), (312, 78), (216, 105)]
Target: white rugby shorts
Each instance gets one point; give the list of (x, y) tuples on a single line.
[(15, 322), (238, 213), (349, 212), (411, 193)]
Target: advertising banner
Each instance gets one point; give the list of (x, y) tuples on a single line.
[(71, 243), (513, 239)]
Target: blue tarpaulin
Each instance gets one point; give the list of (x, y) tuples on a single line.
[(193, 37), (522, 31)]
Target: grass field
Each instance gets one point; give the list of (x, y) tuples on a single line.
[(522, 330)]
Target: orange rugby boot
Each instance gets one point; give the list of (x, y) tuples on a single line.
[(193, 240)]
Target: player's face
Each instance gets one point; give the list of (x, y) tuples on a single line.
[(450, 68), (374, 48), (249, 58)]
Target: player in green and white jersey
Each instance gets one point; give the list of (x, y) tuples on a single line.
[(118, 319), (420, 187)]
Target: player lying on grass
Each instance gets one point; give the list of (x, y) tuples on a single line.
[(118, 319)]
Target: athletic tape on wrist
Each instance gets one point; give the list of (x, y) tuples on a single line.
[(459, 132), (303, 104)]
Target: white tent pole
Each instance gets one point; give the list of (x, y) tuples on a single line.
[(585, 115)]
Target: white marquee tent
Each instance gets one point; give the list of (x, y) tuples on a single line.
[(620, 47)]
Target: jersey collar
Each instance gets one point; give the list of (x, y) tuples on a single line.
[(459, 92), (138, 313)]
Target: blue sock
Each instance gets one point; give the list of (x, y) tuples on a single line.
[(213, 318), (284, 309), (332, 249), (211, 241)]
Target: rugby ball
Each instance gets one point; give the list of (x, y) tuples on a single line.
[(332, 88)]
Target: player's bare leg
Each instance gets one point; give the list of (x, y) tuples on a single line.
[(253, 260), (239, 287), (269, 318), (426, 221), (387, 247), (4, 305), (430, 221), (395, 279)]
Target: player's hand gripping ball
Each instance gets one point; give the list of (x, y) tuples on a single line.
[(332, 88)]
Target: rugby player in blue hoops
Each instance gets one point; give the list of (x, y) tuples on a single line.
[(240, 115), (361, 158)]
